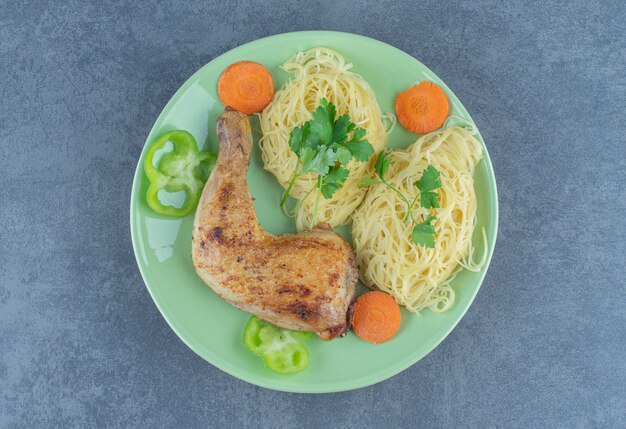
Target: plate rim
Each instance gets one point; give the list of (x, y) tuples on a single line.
[(360, 382)]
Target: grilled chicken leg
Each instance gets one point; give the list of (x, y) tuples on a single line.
[(302, 281)]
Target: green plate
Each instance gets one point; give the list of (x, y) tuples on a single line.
[(211, 327)]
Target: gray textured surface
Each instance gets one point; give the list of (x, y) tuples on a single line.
[(82, 344)]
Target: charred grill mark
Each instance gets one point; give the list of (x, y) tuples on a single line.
[(322, 299), (336, 331), (302, 310), (350, 313), (221, 135), (226, 191), (216, 234), (332, 278), (298, 289)]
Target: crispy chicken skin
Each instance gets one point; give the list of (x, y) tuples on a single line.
[(304, 281)]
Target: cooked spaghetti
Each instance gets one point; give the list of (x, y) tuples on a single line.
[(319, 73), (419, 277)]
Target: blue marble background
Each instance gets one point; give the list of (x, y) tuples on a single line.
[(82, 344)]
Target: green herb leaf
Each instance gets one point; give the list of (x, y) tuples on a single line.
[(334, 181), (424, 233), (306, 155), (329, 106), (302, 137), (367, 182), (360, 148), (295, 140), (321, 163), (430, 180), (323, 121), (342, 127), (343, 155), (382, 164), (430, 200)]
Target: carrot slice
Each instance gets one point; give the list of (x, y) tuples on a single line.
[(376, 317), (246, 86), (422, 108)]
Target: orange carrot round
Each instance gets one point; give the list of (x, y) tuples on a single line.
[(246, 86), (422, 108), (376, 317)]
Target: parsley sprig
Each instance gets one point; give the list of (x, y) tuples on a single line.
[(423, 232), (324, 145)]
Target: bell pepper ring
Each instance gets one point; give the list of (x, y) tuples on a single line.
[(185, 168), (282, 351)]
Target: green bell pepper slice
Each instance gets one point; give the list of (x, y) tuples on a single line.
[(185, 168), (283, 351)]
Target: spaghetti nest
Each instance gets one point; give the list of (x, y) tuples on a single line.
[(419, 277), (320, 73)]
